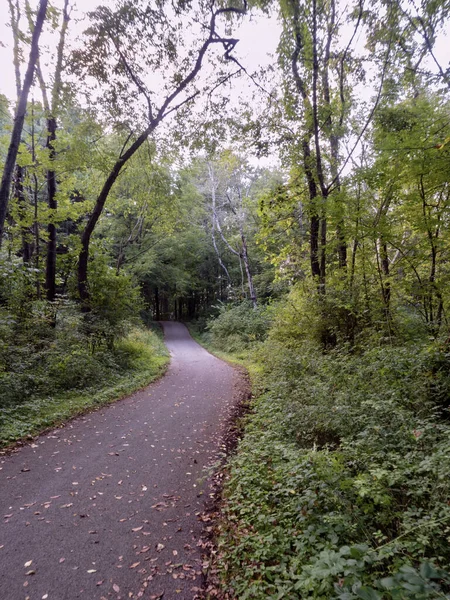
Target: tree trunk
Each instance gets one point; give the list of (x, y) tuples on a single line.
[(27, 246), (20, 117), (50, 270), (157, 313), (36, 208), (251, 287)]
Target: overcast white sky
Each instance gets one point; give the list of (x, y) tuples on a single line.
[(258, 38)]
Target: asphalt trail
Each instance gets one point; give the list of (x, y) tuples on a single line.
[(107, 506)]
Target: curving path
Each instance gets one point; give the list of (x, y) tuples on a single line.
[(107, 506)]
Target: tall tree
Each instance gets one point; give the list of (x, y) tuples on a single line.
[(20, 116), (228, 189), (51, 108), (109, 36)]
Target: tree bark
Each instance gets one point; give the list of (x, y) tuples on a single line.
[(154, 121), (20, 117), (50, 268), (26, 233), (251, 287), (157, 313), (51, 111)]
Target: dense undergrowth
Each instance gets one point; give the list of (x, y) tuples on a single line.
[(57, 361), (341, 484), (50, 373)]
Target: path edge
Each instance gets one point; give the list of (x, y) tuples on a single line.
[(232, 432)]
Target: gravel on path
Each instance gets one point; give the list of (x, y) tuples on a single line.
[(107, 506)]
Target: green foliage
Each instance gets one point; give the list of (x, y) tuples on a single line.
[(115, 302), (239, 327), (41, 386), (48, 350), (340, 487)]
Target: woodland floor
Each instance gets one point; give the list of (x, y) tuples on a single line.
[(108, 506)]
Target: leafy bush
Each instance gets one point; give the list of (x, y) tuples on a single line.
[(238, 327), (340, 488), (115, 302), (67, 378)]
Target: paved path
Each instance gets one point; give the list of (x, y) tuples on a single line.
[(107, 506)]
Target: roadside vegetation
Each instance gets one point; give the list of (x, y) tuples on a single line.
[(340, 485), (56, 362), (133, 191)]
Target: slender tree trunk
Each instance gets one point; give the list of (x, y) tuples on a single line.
[(387, 284), (323, 252), (383, 273), (216, 249), (157, 313), (14, 10), (27, 246), (36, 208), (51, 111), (20, 117), (251, 287), (93, 219), (314, 234), (50, 270)]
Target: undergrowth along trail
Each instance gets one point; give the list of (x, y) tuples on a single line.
[(340, 485), (60, 385)]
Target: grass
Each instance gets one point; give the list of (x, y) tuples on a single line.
[(147, 359)]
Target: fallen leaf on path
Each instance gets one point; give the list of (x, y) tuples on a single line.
[(28, 563), (134, 565), (160, 547), (138, 528), (61, 560), (92, 570), (116, 588)]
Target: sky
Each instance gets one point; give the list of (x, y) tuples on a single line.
[(258, 39)]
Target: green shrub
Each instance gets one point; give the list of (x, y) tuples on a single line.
[(340, 488), (239, 327), (67, 378), (115, 302)]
